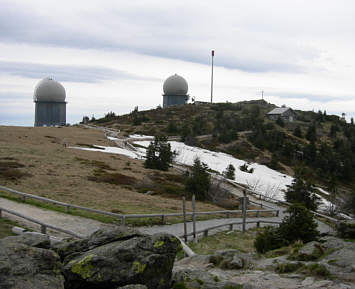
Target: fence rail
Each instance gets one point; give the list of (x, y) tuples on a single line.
[(230, 225), (123, 217), (43, 225)]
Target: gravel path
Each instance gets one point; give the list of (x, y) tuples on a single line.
[(76, 224), (85, 227)]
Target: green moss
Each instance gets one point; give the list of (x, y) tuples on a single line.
[(158, 244), (83, 267), (216, 279), (199, 281), (288, 267), (138, 267), (179, 285)]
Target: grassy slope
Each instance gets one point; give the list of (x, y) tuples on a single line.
[(62, 173)]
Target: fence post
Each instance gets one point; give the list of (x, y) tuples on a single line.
[(23, 198), (43, 229), (244, 208), (194, 219), (258, 224), (163, 219), (257, 214), (184, 213), (231, 227), (205, 233), (67, 209), (122, 220), (277, 213), (0, 213)]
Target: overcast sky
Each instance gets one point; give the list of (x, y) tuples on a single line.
[(115, 55)]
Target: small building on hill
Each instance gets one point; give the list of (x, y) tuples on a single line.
[(285, 113)]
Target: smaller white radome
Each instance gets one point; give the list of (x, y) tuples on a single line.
[(49, 90), (175, 85)]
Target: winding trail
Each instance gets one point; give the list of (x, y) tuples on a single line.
[(85, 226)]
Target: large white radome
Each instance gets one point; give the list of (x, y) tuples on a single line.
[(49, 90), (175, 85)]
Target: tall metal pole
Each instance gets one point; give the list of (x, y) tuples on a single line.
[(212, 78)]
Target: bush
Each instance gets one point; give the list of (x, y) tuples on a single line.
[(269, 239), (159, 155), (302, 192), (199, 180), (299, 225), (229, 173)]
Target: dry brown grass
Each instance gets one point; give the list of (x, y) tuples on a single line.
[(62, 173)]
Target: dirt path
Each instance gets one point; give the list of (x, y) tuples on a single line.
[(76, 224), (85, 227)]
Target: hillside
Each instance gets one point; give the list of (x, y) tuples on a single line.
[(324, 145), (40, 161)]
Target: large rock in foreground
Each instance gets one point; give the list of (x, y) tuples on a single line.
[(24, 266), (127, 258)]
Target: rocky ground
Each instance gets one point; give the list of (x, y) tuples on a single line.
[(328, 263), (125, 258)]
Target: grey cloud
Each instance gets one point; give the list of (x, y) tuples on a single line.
[(150, 31), (313, 97), (86, 74)]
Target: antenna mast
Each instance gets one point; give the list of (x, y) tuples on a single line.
[(212, 78)]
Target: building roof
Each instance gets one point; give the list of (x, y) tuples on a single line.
[(175, 85), (279, 110)]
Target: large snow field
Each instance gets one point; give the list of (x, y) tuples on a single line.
[(263, 179)]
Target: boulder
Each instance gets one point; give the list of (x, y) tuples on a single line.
[(32, 239), (346, 229), (118, 258), (199, 279), (231, 259), (309, 252), (136, 286), (26, 267), (98, 238)]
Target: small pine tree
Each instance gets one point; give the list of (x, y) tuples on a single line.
[(302, 192), (159, 155), (199, 180), (298, 225), (229, 173)]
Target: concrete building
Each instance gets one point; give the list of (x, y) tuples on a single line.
[(50, 106), (285, 113), (175, 91)]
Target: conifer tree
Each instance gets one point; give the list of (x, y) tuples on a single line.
[(229, 173), (199, 180), (302, 192)]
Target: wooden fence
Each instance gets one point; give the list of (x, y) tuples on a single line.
[(123, 217), (42, 225)]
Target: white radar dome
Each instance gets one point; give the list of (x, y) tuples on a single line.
[(175, 85), (49, 90)]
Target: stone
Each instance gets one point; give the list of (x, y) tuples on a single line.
[(124, 258), (231, 259), (346, 229), (322, 283), (199, 279), (135, 286), (26, 267), (309, 252), (32, 239), (98, 238), (308, 281)]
